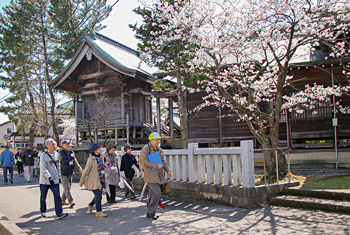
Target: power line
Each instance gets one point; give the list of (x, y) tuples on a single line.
[(2, 98), (77, 40)]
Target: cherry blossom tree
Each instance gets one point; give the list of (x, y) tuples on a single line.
[(68, 124), (244, 50)]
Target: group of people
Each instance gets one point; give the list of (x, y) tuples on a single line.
[(101, 171), (29, 159)]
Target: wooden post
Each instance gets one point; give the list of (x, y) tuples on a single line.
[(127, 129), (116, 135), (171, 119), (134, 132), (131, 116), (122, 105), (158, 115), (220, 128), (76, 119), (96, 133)]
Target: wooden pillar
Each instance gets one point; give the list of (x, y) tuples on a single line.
[(134, 132), (171, 119), (96, 133), (158, 115), (76, 119), (116, 136), (220, 127), (122, 106), (127, 129)]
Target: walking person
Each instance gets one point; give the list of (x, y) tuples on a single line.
[(93, 178), (110, 162), (128, 160), (36, 163), (50, 177), (19, 162), (154, 178), (7, 161), (68, 162), (28, 161)]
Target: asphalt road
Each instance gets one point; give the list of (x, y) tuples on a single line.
[(19, 202)]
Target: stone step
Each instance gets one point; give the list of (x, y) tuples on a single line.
[(311, 203), (343, 195)]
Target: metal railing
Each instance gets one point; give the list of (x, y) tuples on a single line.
[(276, 159)]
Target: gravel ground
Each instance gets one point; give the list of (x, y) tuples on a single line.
[(313, 173)]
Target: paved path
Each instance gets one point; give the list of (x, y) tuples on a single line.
[(20, 203)]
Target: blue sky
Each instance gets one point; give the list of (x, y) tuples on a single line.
[(117, 28)]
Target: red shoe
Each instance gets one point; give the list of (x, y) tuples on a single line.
[(161, 206)]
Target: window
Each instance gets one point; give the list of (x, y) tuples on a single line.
[(9, 130)]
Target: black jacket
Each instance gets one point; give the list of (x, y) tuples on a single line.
[(28, 157), (66, 169), (127, 161), (18, 157)]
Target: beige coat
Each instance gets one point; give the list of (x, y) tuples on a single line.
[(150, 176), (90, 177)]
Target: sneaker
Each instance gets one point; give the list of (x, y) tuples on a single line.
[(29, 181), (132, 197), (161, 206), (62, 216), (65, 203), (153, 217), (43, 215), (71, 204), (5, 183), (11, 181)]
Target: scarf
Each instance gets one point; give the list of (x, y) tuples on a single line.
[(100, 169)]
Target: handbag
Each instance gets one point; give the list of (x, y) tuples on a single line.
[(166, 187), (121, 184)]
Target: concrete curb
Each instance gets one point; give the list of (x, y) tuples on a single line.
[(9, 228)]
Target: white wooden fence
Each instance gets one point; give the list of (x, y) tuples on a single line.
[(221, 166)]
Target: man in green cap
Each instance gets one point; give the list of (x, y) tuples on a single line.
[(153, 173)]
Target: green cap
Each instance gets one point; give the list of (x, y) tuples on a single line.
[(154, 135)]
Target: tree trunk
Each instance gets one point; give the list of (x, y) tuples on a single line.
[(182, 112), (52, 97), (270, 156), (31, 135)]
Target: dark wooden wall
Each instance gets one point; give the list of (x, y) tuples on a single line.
[(203, 126), (95, 77)]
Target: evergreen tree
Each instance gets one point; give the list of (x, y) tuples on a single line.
[(172, 58), (36, 40)]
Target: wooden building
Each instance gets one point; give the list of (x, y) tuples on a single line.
[(309, 129), (112, 88), (213, 127)]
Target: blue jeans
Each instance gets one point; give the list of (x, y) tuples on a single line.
[(5, 173), (97, 200), (55, 189)]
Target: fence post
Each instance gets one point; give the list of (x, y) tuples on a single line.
[(210, 169), (247, 158), (227, 169), (192, 169)]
